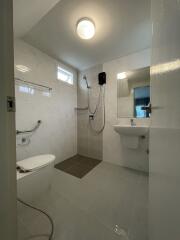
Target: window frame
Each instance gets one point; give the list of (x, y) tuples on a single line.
[(66, 73)]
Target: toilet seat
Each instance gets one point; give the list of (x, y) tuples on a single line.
[(34, 163)]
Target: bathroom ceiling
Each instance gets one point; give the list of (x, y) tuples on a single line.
[(122, 27), (28, 13)]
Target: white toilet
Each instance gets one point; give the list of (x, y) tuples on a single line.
[(34, 176)]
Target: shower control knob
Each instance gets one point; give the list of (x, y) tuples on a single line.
[(91, 117)]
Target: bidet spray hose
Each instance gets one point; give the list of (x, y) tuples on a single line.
[(44, 213)]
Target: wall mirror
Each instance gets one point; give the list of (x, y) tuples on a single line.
[(133, 93)]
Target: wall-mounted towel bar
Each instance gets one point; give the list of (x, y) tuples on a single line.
[(35, 85)]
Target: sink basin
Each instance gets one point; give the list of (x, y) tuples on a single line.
[(128, 130)]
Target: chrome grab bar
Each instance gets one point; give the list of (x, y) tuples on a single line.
[(30, 131)]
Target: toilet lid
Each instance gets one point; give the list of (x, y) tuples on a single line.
[(36, 162)]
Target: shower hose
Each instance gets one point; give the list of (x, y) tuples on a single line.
[(94, 113), (50, 237)]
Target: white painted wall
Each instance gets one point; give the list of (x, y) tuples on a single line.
[(113, 151), (58, 133), (165, 130)]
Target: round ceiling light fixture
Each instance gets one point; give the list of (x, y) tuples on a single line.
[(85, 28)]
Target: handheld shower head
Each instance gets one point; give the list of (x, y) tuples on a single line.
[(85, 78)]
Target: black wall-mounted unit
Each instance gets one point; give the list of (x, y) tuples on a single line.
[(102, 78)]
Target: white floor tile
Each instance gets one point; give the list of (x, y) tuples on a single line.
[(109, 203)]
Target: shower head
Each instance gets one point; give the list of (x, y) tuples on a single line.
[(85, 78)]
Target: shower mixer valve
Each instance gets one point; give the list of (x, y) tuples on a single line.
[(91, 117)]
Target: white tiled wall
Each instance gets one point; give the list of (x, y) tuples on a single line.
[(58, 133), (164, 190), (89, 144), (113, 151)]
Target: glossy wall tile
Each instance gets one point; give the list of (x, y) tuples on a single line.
[(165, 131), (89, 143), (113, 151), (58, 132)]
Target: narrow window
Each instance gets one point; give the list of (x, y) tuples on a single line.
[(64, 75)]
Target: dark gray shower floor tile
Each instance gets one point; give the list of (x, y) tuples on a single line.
[(78, 166)]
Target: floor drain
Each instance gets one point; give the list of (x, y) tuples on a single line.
[(121, 232)]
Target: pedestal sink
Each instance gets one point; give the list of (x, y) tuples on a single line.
[(128, 130)]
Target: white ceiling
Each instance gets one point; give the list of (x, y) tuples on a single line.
[(122, 27), (27, 13)]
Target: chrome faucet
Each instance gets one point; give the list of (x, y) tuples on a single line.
[(132, 122)]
